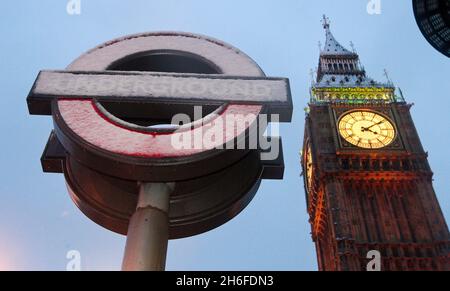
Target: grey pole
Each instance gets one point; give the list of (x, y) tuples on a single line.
[(148, 231)]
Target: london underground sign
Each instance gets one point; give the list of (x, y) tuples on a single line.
[(157, 87), (105, 107)]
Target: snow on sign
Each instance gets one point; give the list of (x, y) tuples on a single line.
[(110, 108), (151, 87)]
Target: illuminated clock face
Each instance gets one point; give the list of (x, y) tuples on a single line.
[(366, 129), (309, 167)]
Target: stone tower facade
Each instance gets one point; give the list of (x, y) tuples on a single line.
[(367, 178)]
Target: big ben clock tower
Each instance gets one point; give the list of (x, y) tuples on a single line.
[(367, 178)]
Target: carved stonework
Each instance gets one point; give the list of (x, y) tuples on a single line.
[(365, 199)]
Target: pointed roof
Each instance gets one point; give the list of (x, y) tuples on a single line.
[(339, 67), (332, 46)]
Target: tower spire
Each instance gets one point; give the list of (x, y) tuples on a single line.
[(332, 46), (340, 67), (325, 22)]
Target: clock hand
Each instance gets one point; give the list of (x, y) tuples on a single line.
[(376, 124), (363, 129)]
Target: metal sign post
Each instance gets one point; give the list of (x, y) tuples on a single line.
[(148, 232), (126, 174)]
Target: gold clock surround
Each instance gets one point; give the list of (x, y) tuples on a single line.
[(308, 166), (366, 129)]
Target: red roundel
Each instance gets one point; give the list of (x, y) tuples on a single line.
[(83, 118), (102, 142)]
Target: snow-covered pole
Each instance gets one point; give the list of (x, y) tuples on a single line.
[(148, 231)]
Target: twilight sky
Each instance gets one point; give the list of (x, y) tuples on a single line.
[(38, 222)]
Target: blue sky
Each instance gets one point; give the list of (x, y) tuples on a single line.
[(38, 222)]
